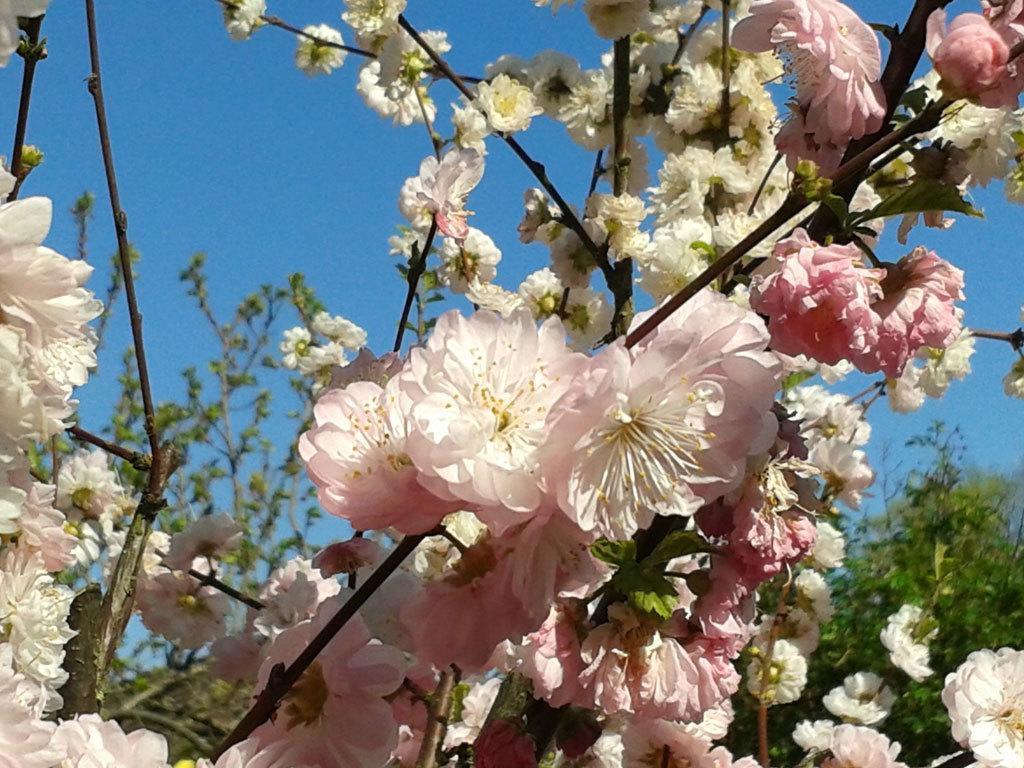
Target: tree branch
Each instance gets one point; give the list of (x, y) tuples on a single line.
[(416, 269), (80, 692), (138, 460), (437, 719), (790, 207), (118, 602), (278, 685), (620, 276), (899, 70), (537, 169), (33, 54)]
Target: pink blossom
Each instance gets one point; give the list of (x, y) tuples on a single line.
[(661, 743), (291, 595), (246, 754), (765, 538), (462, 617), (835, 57), (177, 606), (208, 537), (356, 455), (550, 657), (236, 657), (480, 391), (917, 310), (42, 525), (347, 556), (503, 744), (818, 299), (89, 740), (630, 667), (26, 739), (726, 609), (857, 745), (971, 57), (659, 429), (796, 142), (442, 187), (336, 714), (545, 559)]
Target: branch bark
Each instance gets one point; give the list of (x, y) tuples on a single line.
[(81, 691), (437, 719), (32, 57), (278, 686), (119, 600)]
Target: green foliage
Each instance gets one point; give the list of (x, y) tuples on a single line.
[(951, 543)]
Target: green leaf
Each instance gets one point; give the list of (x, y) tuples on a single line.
[(676, 544), (620, 553), (919, 197), (648, 592), (838, 206), (791, 380)]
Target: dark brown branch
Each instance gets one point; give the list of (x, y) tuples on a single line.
[(899, 70), (1015, 338), (537, 169), (790, 207), (33, 53), (277, 21), (279, 684), (118, 602), (138, 460), (726, 105), (417, 267), (620, 276), (209, 580)]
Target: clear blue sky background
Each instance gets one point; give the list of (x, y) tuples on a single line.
[(227, 148)]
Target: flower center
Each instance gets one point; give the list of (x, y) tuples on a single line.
[(81, 498), (306, 699)]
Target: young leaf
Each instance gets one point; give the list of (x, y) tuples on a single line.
[(919, 197), (620, 553)]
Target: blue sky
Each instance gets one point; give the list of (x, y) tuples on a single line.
[(226, 148)]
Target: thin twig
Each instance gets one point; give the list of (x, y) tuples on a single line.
[(118, 601), (277, 21), (620, 277), (726, 104), (32, 56), (278, 685), (683, 40), (136, 459), (1015, 338), (766, 662), (536, 168), (417, 267), (790, 207), (437, 719)]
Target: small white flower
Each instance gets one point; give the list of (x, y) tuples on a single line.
[(337, 328), (862, 699), (373, 20), (613, 19), (314, 57), (295, 346), (509, 105), (813, 736), (242, 17), (785, 677), (542, 292), (474, 259), (907, 649), (829, 547), (1013, 382)]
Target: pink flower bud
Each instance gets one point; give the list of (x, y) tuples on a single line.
[(503, 744), (971, 58)]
